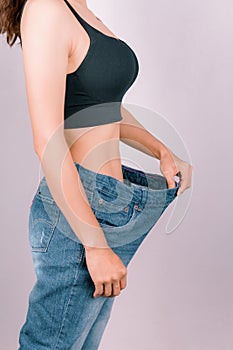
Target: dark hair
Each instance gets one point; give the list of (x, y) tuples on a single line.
[(10, 16)]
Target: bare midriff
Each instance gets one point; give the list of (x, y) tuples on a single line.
[(97, 148)]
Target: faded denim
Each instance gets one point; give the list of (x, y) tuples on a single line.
[(62, 313)]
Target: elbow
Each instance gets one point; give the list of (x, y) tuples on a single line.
[(39, 148), (39, 144)]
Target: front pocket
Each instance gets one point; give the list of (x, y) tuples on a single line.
[(42, 221), (115, 218), (111, 210)]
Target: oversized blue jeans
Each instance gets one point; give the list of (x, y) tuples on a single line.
[(62, 312)]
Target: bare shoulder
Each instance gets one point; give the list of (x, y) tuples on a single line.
[(45, 46), (44, 17)]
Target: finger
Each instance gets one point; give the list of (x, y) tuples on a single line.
[(107, 289), (179, 192), (99, 288), (116, 288), (184, 185), (170, 183), (123, 282), (181, 187)]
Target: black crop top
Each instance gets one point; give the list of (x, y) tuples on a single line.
[(95, 90)]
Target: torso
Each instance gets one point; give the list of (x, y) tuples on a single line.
[(100, 69), (80, 46), (96, 148)]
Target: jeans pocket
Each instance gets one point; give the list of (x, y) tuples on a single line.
[(120, 218), (42, 222)]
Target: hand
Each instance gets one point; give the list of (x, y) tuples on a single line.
[(170, 165), (106, 270)]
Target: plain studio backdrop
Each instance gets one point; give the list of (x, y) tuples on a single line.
[(180, 286)]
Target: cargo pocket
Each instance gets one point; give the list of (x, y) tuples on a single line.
[(43, 217)]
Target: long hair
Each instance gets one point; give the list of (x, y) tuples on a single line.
[(10, 16)]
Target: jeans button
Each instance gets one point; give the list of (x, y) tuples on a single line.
[(126, 209), (136, 206), (100, 200)]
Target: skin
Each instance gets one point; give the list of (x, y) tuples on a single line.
[(96, 148)]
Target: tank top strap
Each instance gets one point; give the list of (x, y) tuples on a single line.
[(86, 26)]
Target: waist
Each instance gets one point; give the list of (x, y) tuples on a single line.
[(110, 167), (97, 149)]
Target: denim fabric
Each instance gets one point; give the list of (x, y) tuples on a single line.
[(62, 313)]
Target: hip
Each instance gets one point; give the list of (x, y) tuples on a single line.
[(125, 209)]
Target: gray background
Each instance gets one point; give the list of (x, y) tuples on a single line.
[(179, 293)]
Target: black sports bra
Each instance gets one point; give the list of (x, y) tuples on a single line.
[(95, 90)]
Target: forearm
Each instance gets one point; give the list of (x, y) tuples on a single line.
[(135, 135), (68, 192)]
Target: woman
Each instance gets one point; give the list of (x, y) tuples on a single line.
[(90, 213)]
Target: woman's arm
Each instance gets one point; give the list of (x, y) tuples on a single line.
[(45, 46), (135, 135)]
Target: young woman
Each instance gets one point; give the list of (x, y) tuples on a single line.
[(90, 212)]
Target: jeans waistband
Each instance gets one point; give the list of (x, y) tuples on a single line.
[(137, 185)]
